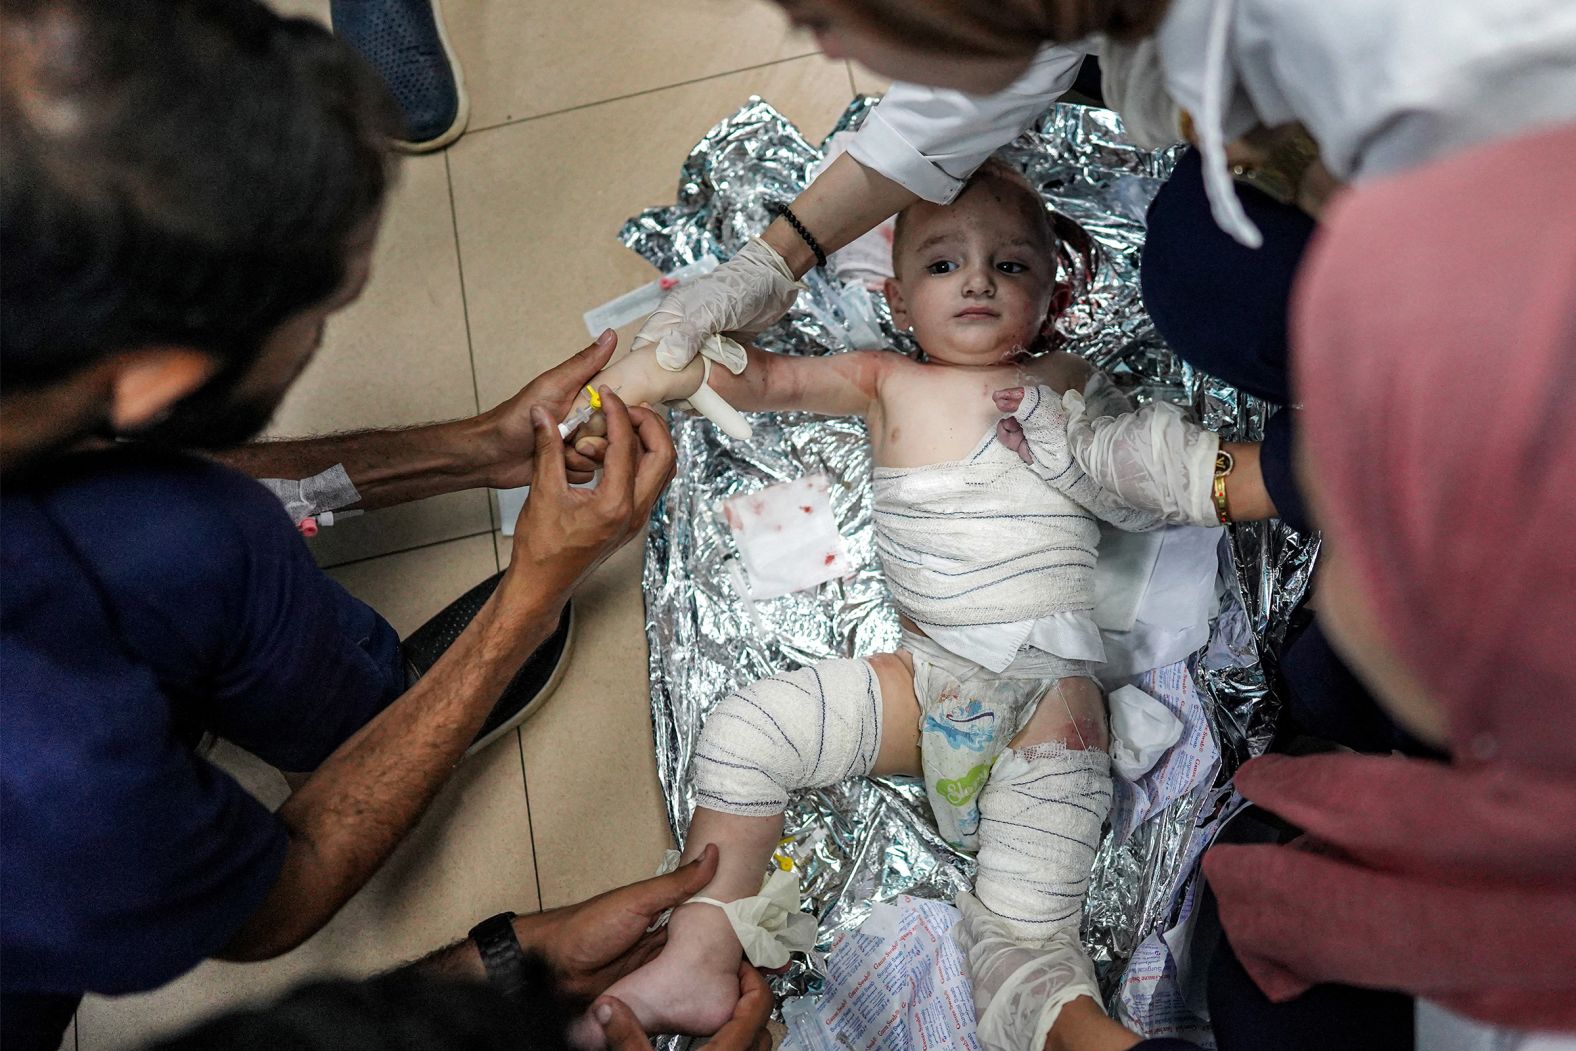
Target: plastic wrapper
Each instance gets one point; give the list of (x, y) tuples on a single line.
[(872, 840)]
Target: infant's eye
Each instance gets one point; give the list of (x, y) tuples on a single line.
[(1010, 267), (944, 266)]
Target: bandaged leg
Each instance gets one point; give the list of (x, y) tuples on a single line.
[(802, 729), (1040, 820), (1041, 815)]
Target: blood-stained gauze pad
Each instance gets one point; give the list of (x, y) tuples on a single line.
[(787, 537)]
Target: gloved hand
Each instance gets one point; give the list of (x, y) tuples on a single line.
[(1019, 990), (1155, 458), (743, 296)]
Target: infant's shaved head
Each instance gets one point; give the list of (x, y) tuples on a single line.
[(996, 182)]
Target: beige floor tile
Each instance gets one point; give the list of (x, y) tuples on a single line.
[(866, 82), (539, 205), (68, 1042), (399, 356), (470, 856), (596, 809), (409, 587), (525, 59)]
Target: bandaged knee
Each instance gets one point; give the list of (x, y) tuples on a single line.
[(1040, 819), (802, 729)]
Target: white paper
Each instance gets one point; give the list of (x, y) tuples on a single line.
[(1141, 730), (1122, 570), (787, 537), (1173, 612), (1190, 762), (899, 982)]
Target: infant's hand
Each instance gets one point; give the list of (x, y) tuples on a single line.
[(1008, 399)]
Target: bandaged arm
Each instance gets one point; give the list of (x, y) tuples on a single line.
[(1037, 430), (1159, 460)]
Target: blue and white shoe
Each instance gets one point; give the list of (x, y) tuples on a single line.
[(405, 41)]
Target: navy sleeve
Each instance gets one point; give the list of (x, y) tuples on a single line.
[(127, 860), (212, 586), (1277, 462)]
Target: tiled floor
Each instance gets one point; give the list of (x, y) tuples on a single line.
[(581, 115)]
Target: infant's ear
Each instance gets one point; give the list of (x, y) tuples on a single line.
[(894, 298), (1061, 299)]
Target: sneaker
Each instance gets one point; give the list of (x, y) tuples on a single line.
[(531, 685), (405, 41)]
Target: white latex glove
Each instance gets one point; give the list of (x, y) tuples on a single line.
[(1153, 459), (715, 407), (743, 296), (1036, 430), (1019, 990)]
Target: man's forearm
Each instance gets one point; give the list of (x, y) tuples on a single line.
[(387, 467), (845, 201), (349, 815), (459, 961)]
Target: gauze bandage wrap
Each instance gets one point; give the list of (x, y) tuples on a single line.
[(983, 541), (1043, 443), (769, 925), (1019, 990), (743, 296), (1040, 819), (802, 729), (327, 491), (1154, 458)]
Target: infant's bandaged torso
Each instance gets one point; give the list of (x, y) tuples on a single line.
[(982, 541)]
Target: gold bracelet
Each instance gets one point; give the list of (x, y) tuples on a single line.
[(1289, 151), (1224, 462)]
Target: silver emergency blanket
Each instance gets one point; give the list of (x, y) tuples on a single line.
[(872, 840)]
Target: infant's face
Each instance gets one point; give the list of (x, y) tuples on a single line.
[(973, 282)]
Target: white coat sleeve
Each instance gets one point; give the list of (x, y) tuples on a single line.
[(931, 140)]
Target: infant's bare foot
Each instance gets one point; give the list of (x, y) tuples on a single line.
[(691, 987)]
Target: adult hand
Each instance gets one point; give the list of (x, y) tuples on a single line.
[(741, 297), (505, 434), (563, 533), (593, 944), (745, 1031)]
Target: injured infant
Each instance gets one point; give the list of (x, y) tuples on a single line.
[(988, 547)]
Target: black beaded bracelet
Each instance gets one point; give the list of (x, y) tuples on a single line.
[(798, 227)]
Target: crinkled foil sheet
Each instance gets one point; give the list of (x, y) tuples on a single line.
[(872, 840)]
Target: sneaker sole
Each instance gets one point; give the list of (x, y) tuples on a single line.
[(542, 696), (462, 115)]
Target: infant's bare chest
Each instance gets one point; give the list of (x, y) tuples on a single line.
[(926, 421)]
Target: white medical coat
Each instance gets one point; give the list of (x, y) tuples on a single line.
[(1382, 85)]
